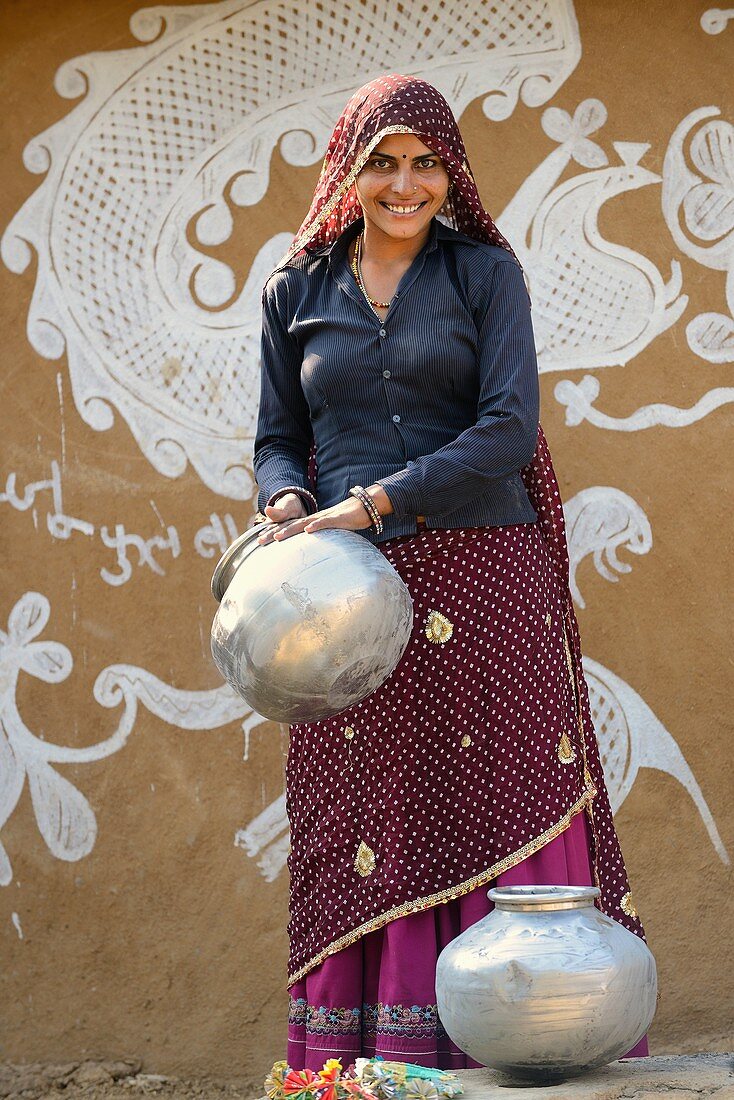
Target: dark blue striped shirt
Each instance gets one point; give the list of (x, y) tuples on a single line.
[(438, 402)]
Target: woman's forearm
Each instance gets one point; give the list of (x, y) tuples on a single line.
[(381, 499)]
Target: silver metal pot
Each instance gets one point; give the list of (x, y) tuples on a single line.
[(309, 626), (546, 986)]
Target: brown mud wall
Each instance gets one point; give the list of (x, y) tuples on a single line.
[(154, 935)]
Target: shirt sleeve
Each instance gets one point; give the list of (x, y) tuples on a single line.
[(504, 437), (284, 436)]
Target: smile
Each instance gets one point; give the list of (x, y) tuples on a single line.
[(403, 210)]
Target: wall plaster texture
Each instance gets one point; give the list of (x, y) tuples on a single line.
[(144, 906)]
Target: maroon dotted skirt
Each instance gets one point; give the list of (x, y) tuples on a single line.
[(475, 754)]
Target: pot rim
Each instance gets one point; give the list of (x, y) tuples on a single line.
[(234, 555), (533, 899)]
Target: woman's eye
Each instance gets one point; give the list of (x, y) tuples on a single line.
[(428, 162), (378, 163)]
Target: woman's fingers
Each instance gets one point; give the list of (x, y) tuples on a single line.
[(321, 523), (288, 507), (283, 532), (293, 528), (306, 523), (350, 515)]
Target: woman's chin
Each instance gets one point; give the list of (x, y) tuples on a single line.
[(402, 227)]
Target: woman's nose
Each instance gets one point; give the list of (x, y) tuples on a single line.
[(403, 184)]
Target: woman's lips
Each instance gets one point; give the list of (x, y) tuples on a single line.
[(402, 210)]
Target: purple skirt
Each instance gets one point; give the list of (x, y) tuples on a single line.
[(474, 763), (378, 996)]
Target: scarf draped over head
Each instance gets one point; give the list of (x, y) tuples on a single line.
[(392, 104)]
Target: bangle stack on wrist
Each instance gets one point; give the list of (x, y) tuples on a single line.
[(361, 494)]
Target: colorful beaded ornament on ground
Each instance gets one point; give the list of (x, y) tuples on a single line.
[(367, 1079)]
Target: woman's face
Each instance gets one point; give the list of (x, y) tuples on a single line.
[(402, 186)]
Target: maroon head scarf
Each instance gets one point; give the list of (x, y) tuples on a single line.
[(392, 104)]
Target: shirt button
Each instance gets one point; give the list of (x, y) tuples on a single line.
[(396, 419), (383, 332), (386, 373)]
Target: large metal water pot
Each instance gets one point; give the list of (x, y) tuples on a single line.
[(546, 986), (309, 626)]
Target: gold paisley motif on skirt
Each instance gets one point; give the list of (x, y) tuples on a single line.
[(565, 750), (364, 861), (438, 628), (628, 906)]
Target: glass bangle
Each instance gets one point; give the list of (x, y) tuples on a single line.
[(361, 494)]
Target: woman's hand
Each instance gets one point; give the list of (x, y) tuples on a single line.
[(349, 515)]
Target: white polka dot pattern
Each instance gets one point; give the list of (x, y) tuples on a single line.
[(453, 770)]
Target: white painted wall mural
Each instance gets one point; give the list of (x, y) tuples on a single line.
[(169, 138), (579, 398), (715, 20), (632, 737), (599, 521), (43, 500), (699, 208), (595, 303), (65, 819), (599, 304), (168, 142)]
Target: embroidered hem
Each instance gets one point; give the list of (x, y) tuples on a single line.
[(583, 803), (408, 1022), (403, 1021), (322, 1020)]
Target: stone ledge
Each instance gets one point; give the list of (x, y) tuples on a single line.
[(683, 1077)]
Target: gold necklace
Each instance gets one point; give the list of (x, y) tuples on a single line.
[(357, 272)]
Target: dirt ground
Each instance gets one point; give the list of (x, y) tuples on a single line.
[(112, 1081), (689, 1077)]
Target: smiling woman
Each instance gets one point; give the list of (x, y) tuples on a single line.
[(398, 354), (401, 187)]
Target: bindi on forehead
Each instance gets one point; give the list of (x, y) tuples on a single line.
[(402, 146)]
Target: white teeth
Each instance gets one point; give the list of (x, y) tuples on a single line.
[(403, 209)]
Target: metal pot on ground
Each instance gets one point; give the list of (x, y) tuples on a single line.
[(546, 986)]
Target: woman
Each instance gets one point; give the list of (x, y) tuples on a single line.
[(398, 351)]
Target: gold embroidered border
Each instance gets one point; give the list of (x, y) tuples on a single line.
[(346, 183), (576, 690), (452, 892)]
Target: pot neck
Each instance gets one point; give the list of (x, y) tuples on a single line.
[(233, 557), (535, 899)]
